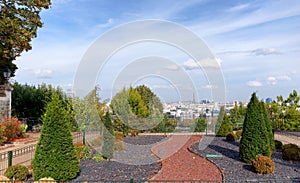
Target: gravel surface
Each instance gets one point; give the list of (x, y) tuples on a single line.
[(234, 170), (136, 162), (92, 170)]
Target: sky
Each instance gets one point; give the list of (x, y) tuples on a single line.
[(255, 46)]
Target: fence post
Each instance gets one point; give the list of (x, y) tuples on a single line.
[(9, 154)]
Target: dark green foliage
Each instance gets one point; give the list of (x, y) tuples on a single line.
[(220, 119), (200, 124), (263, 165), (225, 128), (19, 21), (167, 125), (291, 152), (268, 125), (231, 137), (30, 101), (237, 116), (55, 155), (278, 145), (17, 172), (108, 139), (255, 137)]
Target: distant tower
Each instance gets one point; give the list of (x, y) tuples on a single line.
[(194, 100)]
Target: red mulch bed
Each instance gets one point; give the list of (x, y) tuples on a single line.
[(178, 163)]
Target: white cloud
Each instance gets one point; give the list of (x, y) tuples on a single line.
[(284, 78), (190, 64), (271, 80), (210, 86), (172, 67), (43, 73), (108, 23), (238, 7), (266, 51), (254, 83)]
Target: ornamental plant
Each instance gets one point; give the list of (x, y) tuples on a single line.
[(11, 128), (255, 136), (225, 128), (108, 139), (263, 165), (55, 155), (17, 172)]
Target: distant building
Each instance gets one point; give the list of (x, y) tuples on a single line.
[(269, 100)]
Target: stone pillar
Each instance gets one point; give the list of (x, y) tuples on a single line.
[(5, 101)]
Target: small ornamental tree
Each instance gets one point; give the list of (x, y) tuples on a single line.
[(108, 146), (268, 127), (55, 155), (255, 136), (225, 128)]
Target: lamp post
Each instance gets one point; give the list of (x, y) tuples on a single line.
[(7, 74)]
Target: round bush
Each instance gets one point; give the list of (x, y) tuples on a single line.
[(239, 134), (231, 137), (17, 172), (263, 165), (291, 152), (278, 145)]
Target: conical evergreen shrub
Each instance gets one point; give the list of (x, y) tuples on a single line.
[(108, 139), (255, 136), (268, 126), (55, 155), (225, 128)]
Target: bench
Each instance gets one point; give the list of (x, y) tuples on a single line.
[(213, 155)]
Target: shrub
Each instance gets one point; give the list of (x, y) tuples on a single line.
[(17, 172), (55, 155), (23, 129), (134, 133), (108, 138), (83, 152), (263, 165), (97, 157), (291, 152), (225, 127), (278, 145), (256, 138), (231, 137), (2, 137), (119, 135), (11, 128), (239, 134)]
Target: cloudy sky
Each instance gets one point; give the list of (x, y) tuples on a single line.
[(255, 43)]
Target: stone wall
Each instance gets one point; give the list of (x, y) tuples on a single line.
[(5, 101)]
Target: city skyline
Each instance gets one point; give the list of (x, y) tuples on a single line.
[(255, 43)]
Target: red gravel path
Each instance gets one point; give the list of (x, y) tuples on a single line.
[(178, 163)]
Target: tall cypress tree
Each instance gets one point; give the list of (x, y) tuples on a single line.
[(268, 125), (255, 137), (108, 146), (55, 155)]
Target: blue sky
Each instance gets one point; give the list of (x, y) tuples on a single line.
[(257, 44)]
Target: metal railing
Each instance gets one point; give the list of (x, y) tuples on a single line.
[(24, 155)]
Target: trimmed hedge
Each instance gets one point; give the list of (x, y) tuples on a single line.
[(55, 155)]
